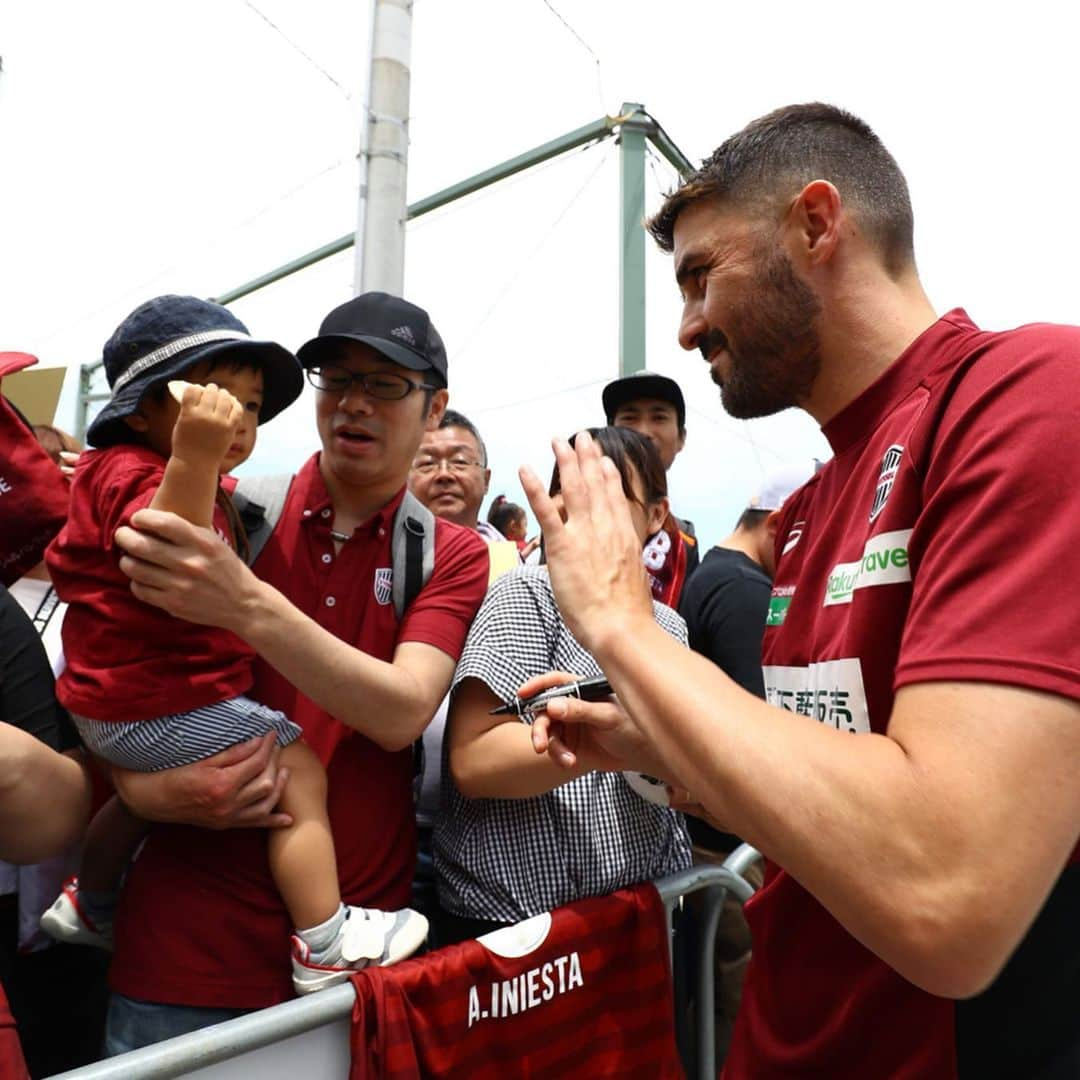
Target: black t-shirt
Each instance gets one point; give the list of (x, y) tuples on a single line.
[(724, 605), (27, 691)]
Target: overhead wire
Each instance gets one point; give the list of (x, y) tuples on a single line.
[(492, 190), (142, 286), (480, 410), (292, 44), (588, 48), (524, 264)]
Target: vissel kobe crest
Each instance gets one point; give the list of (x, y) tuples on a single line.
[(384, 581), (890, 466)]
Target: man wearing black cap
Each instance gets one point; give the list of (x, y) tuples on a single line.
[(332, 654), (653, 406)]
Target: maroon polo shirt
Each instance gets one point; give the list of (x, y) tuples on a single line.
[(127, 660), (200, 921)]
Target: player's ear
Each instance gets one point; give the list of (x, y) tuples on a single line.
[(136, 421)]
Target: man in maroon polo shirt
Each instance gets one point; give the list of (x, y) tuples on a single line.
[(200, 928), (912, 775)]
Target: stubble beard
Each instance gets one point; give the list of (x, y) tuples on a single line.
[(775, 349)]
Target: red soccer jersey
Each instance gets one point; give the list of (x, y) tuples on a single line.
[(127, 660), (591, 998), (200, 921), (921, 552)]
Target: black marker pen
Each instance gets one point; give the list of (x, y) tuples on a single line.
[(587, 689)]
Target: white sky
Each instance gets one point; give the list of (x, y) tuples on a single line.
[(150, 147)]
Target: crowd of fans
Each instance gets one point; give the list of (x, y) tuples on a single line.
[(267, 715)]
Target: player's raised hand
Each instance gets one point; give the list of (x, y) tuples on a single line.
[(207, 423), (593, 552)]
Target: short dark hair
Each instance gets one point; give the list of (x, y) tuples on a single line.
[(502, 512), (776, 155), (751, 518), (452, 418), (631, 452), (233, 360)]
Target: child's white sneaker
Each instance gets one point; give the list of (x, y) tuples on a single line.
[(67, 920), (367, 937)]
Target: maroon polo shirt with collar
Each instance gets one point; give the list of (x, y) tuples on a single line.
[(200, 921)]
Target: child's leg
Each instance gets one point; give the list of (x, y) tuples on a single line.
[(111, 840), (330, 939), (82, 914), (302, 859)]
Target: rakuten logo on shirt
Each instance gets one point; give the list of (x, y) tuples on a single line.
[(884, 562)]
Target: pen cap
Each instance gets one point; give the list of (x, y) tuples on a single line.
[(648, 787)]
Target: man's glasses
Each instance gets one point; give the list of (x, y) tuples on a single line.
[(457, 465), (384, 385)]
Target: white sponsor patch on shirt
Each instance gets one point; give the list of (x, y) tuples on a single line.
[(830, 691), (884, 562)]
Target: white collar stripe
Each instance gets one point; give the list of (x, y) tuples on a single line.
[(167, 352)]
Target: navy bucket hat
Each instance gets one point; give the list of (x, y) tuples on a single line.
[(163, 338)]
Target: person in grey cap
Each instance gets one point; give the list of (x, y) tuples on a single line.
[(653, 406), (333, 652)]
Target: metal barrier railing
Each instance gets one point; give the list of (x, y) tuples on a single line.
[(223, 1043), (716, 882)]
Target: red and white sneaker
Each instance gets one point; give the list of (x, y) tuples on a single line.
[(367, 938), (66, 920)]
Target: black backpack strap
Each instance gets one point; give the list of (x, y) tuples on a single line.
[(259, 501), (412, 551)]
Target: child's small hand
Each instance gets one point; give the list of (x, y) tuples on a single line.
[(207, 424)]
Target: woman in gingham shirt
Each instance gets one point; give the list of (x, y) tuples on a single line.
[(517, 835)]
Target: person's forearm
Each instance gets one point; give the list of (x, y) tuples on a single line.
[(188, 490), (886, 842), (501, 763), (380, 700), (44, 798)]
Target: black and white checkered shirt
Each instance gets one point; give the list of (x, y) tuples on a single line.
[(509, 859)]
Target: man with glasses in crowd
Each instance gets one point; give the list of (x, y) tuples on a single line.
[(332, 655), (450, 475)]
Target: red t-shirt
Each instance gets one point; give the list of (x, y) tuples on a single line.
[(200, 921), (928, 548), (592, 998), (127, 660)]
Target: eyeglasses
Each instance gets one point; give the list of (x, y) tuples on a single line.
[(384, 385), (458, 466)]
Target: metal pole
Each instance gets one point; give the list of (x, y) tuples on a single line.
[(380, 255), (635, 127)]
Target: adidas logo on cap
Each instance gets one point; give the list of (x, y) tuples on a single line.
[(404, 333)]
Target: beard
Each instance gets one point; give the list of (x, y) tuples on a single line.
[(774, 352)]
